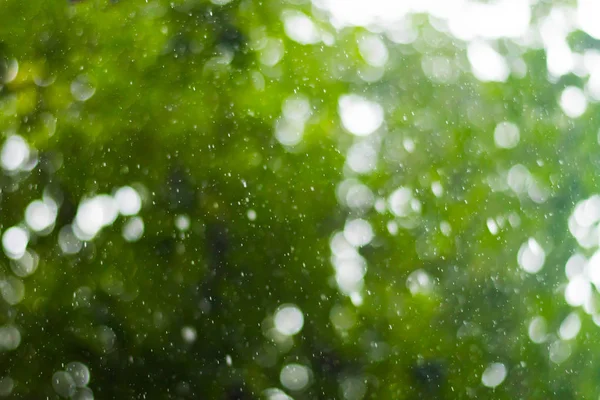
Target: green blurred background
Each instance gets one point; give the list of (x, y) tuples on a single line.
[(286, 199)]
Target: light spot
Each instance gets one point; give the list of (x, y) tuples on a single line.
[(342, 317), (363, 13), (353, 388), (41, 214), (276, 394), (402, 33), (7, 385), (106, 337), (440, 69), (358, 232), (82, 297), (514, 220), (356, 299), (380, 206), (340, 247), (228, 360), (578, 291), (576, 265), (531, 256), (182, 222), (592, 86), (419, 282), (359, 197), (437, 189), (537, 330), (559, 57), (14, 154), (506, 135), (392, 227), (471, 19), (300, 28), (373, 50), (370, 74), (128, 200), (360, 116), (587, 236), (486, 63), (362, 157), (12, 289), (258, 81), (559, 351), (272, 52), (83, 393), (349, 273), (10, 338), (570, 326), (63, 384), (296, 108), (14, 242), (288, 320), (11, 70), (518, 178), (573, 102), (492, 226), (464, 19), (587, 212), (68, 242), (251, 214), (79, 372), (133, 230), (289, 132), (593, 268), (536, 192), (82, 88), (587, 13), (400, 202), (294, 377), (189, 334), (25, 265), (494, 375), (445, 228), (93, 214)]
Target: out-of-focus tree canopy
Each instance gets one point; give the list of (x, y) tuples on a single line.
[(283, 199)]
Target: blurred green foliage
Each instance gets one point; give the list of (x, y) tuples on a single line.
[(179, 100)]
